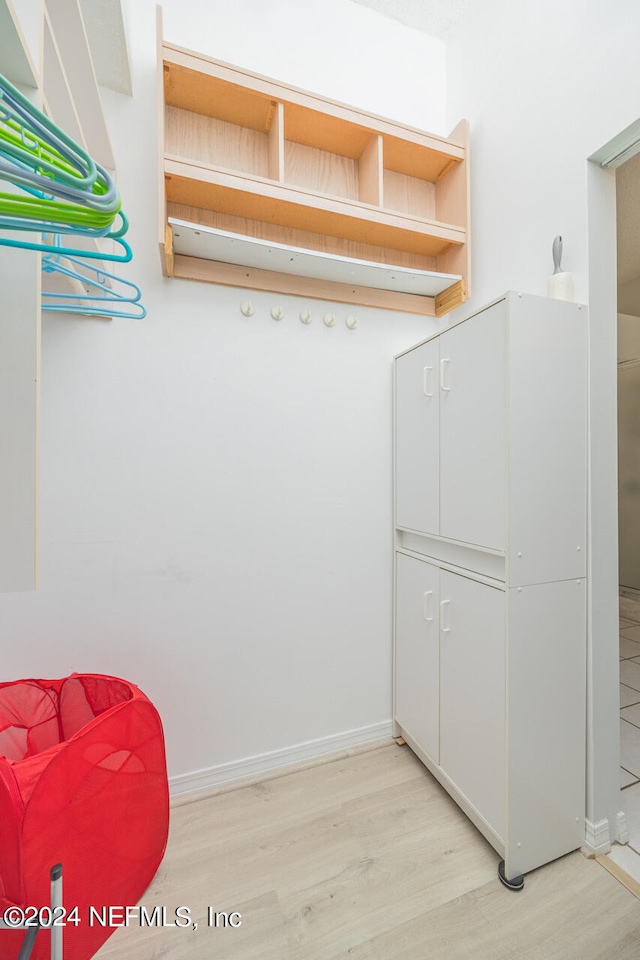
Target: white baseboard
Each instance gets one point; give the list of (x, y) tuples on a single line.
[(598, 838), (621, 830), (202, 782)]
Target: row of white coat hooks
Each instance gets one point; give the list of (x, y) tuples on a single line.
[(305, 316)]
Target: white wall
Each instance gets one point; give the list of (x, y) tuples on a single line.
[(335, 48), (216, 520), (544, 85), (216, 490)]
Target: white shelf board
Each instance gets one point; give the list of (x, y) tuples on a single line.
[(209, 243), (57, 94), (104, 23), (15, 58), (71, 41)]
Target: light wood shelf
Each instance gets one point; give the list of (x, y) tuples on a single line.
[(266, 160)]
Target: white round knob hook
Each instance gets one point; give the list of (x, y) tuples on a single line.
[(329, 319), (305, 316), (247, 308), (277, 313), (352, 322)]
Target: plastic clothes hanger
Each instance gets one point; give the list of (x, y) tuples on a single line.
[(24, 144), (104, 195), (95, 279), (67, 192), (37, 156), (46, 247), (31, 168), (62, 152), (91, 276), (93, 311), (75, 251), (17, 209)]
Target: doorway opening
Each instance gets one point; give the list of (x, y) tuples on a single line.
[(606, 803), (613, 747), (628, 330)]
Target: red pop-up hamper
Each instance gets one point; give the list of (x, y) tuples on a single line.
[(83, 782)]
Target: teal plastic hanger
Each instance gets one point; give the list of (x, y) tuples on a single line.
[(61, 153), (103, 302), (45, 247), (67, 193), (65, 185)]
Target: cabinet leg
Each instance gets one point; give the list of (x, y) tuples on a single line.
[(516, 883)]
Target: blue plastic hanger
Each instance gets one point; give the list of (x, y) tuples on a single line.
[(92, 311), (40, 159), (92, 277), (15, 107), (56, 229)]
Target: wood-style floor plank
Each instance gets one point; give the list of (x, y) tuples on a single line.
[(366, 857)]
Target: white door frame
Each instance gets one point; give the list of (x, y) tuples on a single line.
[(605, 822)]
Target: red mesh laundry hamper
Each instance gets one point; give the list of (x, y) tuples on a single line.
[(83, 783)]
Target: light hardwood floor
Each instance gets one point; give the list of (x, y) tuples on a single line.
[(366, 857)]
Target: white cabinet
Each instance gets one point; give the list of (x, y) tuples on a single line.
[(450, 694), (472, 430), (490, 594), (472, 669), (417, 662), (450, 421), (417, 434)]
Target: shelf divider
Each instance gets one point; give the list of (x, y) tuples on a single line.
[(370, 172), (276, 143)]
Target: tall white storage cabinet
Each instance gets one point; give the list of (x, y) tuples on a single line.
[(490, 572)]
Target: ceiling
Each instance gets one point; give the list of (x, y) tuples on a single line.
[(436, 17)]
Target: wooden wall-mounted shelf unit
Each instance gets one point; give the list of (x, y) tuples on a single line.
[(252, 159)]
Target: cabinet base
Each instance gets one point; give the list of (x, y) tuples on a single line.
[(516, 883)]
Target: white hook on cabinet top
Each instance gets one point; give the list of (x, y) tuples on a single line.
[(305, 316), (329, 319), (277, 313), (352, 322), (247, 308)]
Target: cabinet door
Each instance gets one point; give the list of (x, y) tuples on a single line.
[(417, 671), (472, 711), (417, 439), (472, 430)]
